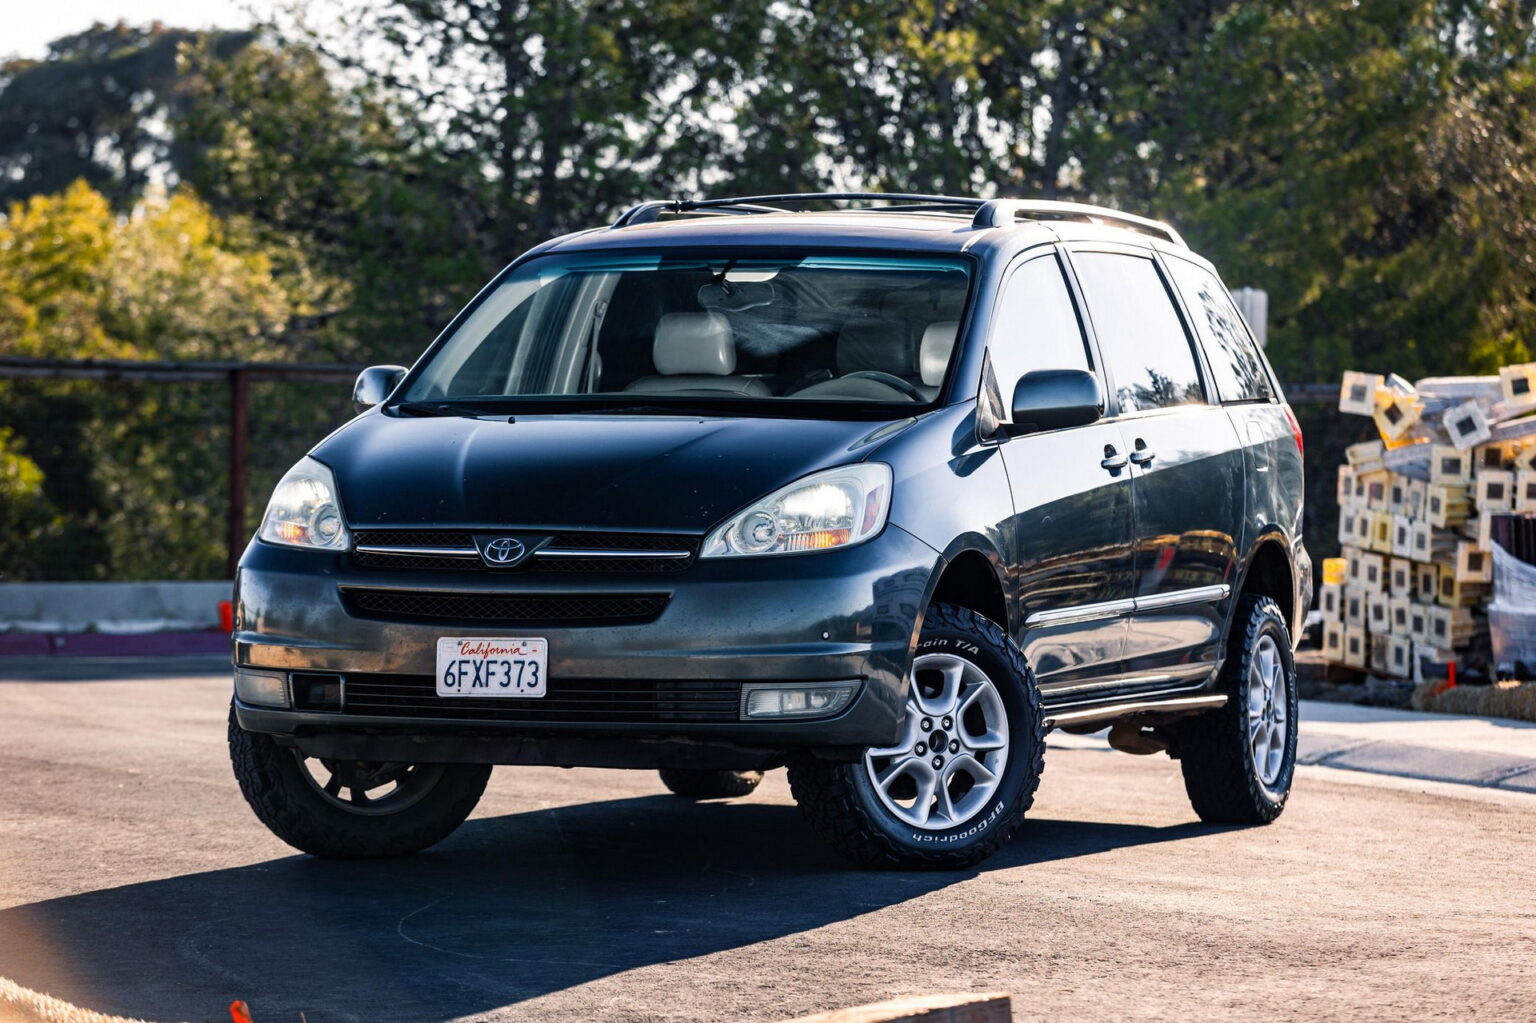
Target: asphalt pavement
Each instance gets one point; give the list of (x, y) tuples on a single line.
[(133, 880)]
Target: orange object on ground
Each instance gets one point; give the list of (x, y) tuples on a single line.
[(239, 1012)]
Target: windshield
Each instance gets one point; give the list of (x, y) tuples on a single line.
[(665, 331)]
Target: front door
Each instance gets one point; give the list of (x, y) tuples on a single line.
[(1073, 562)]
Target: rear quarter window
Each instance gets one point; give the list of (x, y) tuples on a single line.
[(1237, 368)]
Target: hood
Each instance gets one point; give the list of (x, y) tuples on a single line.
[(620, 472)]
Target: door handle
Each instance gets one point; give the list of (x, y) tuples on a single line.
[(1142, 456), (1113, 461)]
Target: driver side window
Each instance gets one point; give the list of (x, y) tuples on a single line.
[(1036, 325)]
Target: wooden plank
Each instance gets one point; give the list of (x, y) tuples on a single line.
[(993, 1007)]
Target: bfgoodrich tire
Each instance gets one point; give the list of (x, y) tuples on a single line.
[(697, 783), (958, 782), (390, 809), (1239, 760)]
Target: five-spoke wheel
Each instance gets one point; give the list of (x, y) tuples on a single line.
[(953, 749)]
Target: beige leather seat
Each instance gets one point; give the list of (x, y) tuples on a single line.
[(695, 354), (933, 354)]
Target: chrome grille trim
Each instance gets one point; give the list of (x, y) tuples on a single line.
[(428, 552), (607, 552)]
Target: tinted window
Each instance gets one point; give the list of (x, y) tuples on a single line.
[(1236, 366), (1143, 341), (1036, 326)]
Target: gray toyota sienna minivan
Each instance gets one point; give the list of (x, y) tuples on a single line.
[(880, 493)]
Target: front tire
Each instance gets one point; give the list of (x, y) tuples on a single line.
[(1239, 760), (958, 782), (389, 809), (702, 783)]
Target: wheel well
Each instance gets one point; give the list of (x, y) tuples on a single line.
[(1269, 575), (968, 581)]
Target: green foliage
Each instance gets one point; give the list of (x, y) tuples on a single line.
[(334, 186), (168, 280), (95, 110), (25, 514)]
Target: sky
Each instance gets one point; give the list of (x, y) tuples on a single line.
[(28, 25)]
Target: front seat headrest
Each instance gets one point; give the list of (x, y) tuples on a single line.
[(933, 354), (697, 344), (877, 343)]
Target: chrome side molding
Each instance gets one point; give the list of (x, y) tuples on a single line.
[(1116, 608)]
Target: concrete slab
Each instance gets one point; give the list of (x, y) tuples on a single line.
[(1453, 748)]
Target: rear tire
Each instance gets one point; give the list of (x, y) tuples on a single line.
[(700, 783), (420, 805), (957, 784), (1239, 760)]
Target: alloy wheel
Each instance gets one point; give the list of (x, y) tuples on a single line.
[(950, 759), (1268, 710)]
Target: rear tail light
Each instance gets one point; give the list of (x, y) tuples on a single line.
[(1290, 417)]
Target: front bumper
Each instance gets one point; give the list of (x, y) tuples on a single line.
[(836, 615)]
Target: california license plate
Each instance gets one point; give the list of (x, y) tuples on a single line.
[(515, 668)]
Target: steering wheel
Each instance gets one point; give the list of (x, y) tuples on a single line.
[(889, 380)]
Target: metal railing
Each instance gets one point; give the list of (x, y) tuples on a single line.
[(162, 469)]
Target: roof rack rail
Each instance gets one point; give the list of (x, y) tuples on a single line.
[(1002, 212), (647, 212), (984, 212)]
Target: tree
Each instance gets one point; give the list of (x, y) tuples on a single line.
[(96, 109), (168, 280)]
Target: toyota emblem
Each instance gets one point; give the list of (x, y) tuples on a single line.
[(503, 550)]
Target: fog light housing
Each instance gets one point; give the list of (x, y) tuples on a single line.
[(805, 700), (261, 688)]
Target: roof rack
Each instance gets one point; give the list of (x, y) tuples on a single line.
[(984, 213), (1001, 212)]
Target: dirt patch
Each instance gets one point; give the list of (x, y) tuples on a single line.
[(1501, 700)]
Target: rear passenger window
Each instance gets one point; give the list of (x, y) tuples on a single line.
[(1036, 325), (1237, 369), (1143, 341)]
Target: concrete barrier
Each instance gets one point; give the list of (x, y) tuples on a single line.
[(111, 608)]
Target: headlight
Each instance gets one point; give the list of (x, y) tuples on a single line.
[(834, 508), (304, 511)]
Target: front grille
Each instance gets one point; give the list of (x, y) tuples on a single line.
[(643, 545), (503, 609), (569, 700)]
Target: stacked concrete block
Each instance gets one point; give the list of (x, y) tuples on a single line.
[(1415, 514)]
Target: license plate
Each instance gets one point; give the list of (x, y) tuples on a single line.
[(514, 668)]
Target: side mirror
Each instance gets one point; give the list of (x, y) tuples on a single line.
[(1049, 399), (374, 384)]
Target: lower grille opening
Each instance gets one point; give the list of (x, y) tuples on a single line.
[(503, 609), (595, 701)]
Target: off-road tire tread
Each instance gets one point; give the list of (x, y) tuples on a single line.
[(1222, 787), (832, 812), (295, 813), (703, 783)]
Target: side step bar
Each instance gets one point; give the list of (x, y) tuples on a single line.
[(1111, 712)]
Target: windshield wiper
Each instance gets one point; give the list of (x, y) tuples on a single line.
[(663, 410), (440, 408)]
